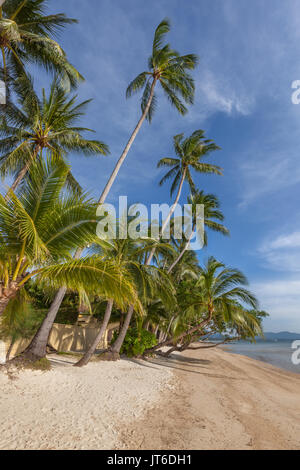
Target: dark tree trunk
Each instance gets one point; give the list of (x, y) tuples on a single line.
[(116, 347), (38, 346), (87, 356), (37, 349)]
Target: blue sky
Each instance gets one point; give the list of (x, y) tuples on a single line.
[(249, 57)]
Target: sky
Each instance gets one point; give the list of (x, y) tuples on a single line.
[(249, 56)]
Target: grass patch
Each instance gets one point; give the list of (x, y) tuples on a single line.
[(40, 364), (22, 362)]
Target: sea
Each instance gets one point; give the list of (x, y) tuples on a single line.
[(278, 353)]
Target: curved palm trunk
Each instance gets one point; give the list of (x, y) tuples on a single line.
[(186, 333), (37, 349), (61, 292), (169, 215), (21, 175), (128, 145), (87, 356), (8, 352), (38, 345), (116, 347), (182, 252)]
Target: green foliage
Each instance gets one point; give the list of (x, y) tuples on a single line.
[(20, 320), (27, 35), (46, 124), (41, 364), (136, 341), (190, 153), (170, 70)]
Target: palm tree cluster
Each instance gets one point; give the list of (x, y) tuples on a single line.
[(48, 241)]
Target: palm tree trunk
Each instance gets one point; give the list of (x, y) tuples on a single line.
[(189, 332), (128, 145), (8, 352), (116, 347), (22, 173), (182, 252), (87, 356), (170, 214), (37, 349), (38, 346)]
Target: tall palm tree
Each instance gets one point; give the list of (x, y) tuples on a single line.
[(190, 153), (212, 214), (46, 124), (167, 68), (39, 229), (171, 71), (27, 35)]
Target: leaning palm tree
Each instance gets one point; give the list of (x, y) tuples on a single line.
[(40, 228), (42, 125), (190, 153), (26, 35), (212, 216), (216, 292), (167, 68)]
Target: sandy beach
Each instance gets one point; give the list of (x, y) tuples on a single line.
[(196, 400)]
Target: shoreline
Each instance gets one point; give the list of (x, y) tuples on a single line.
[(209, 399)]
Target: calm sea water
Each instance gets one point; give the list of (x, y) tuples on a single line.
[(278, 354)]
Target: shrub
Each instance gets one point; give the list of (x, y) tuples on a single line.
[(136, 341)]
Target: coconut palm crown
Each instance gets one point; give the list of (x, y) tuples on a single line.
[(47, 124), (168, 68), (190, 153), (27, 35)]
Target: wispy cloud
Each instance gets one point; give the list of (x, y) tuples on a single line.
[(216, 94), (282, 252)]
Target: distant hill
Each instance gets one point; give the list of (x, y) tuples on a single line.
[(282, 336)]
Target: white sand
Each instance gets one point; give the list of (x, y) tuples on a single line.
[(77, 408)]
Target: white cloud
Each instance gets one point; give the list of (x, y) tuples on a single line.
[(216, 93), (291, 240), (282, 253)]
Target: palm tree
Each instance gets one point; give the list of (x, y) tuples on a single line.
[(129, 255), (39, 229), (42, 125), (26, 35), (211, 211), (170, 70), (217, 291), (190, 153)]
